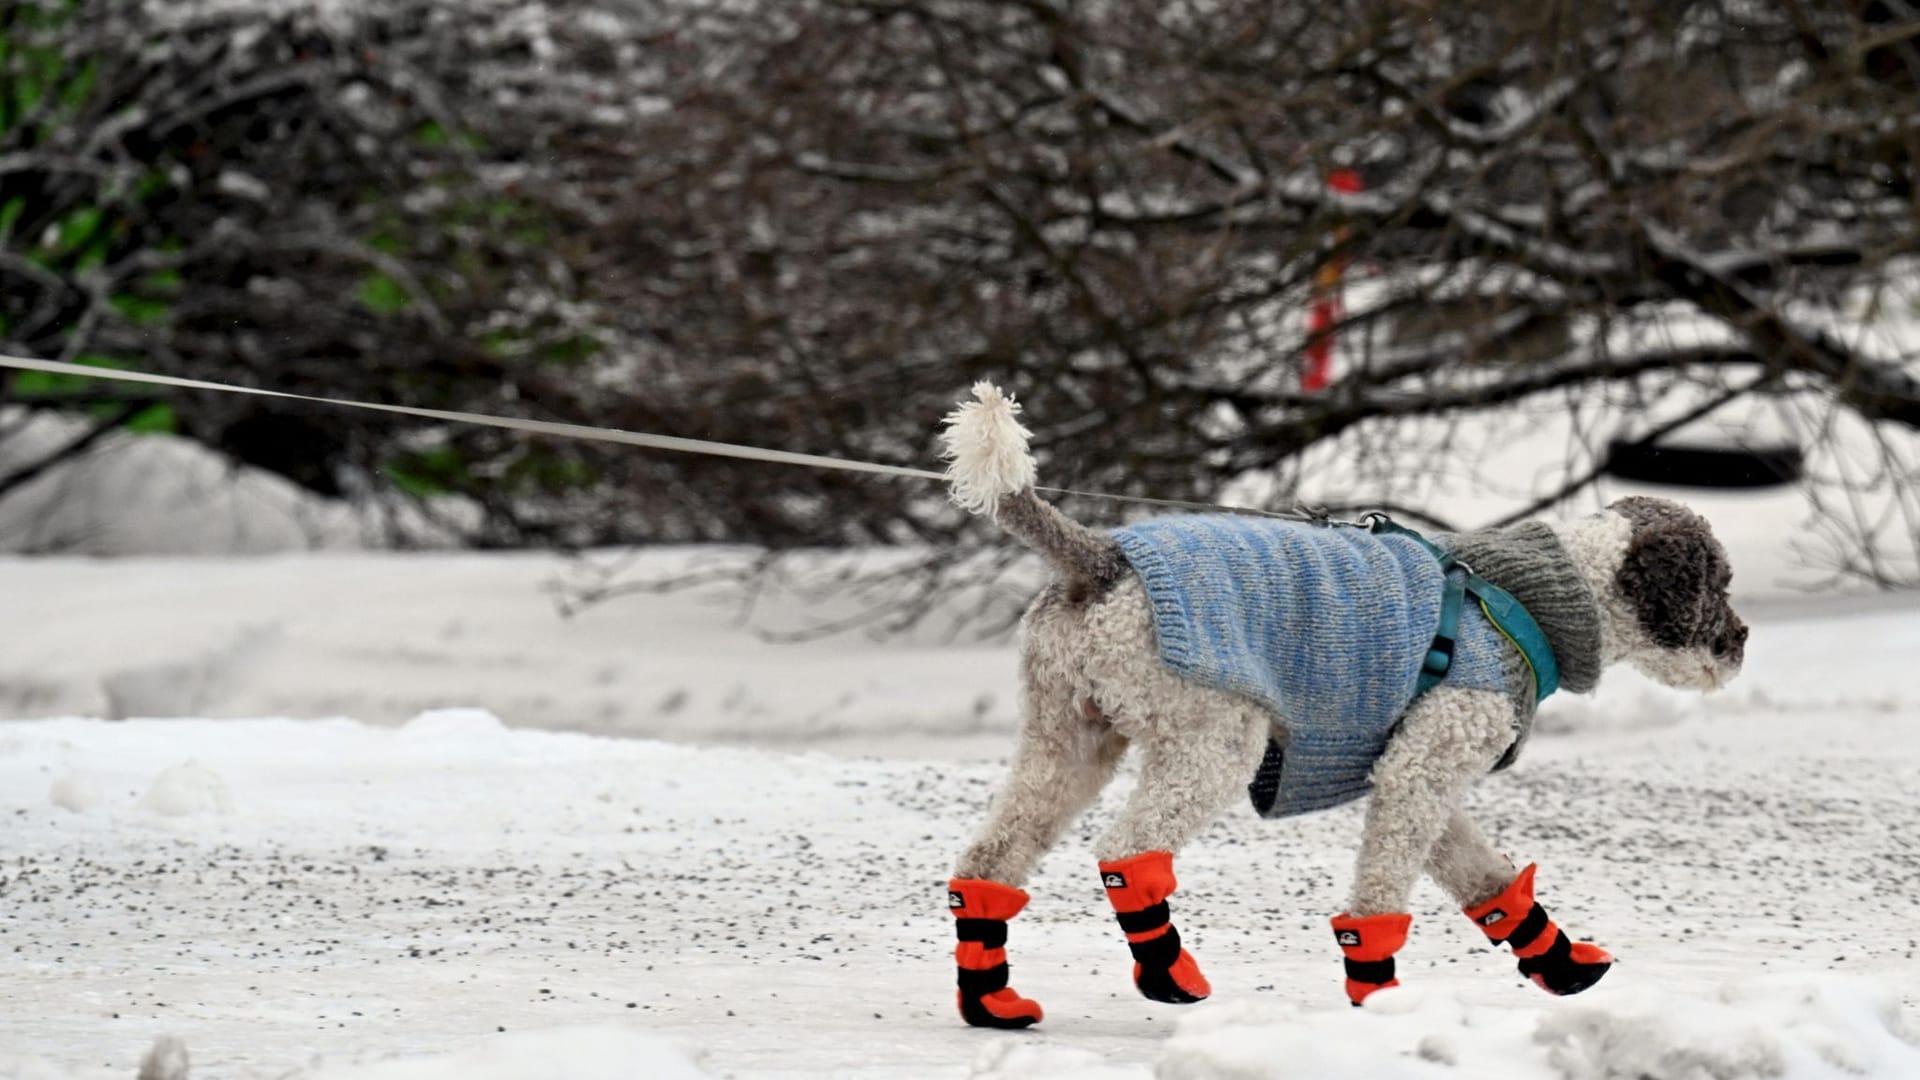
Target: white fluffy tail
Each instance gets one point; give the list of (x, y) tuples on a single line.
[(991, 472), (986, 448)]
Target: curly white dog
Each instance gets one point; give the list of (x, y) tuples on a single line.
[(1324, 663)]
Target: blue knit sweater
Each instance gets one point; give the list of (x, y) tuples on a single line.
[(1325, 626)]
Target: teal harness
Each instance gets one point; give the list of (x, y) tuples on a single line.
[(1507, 615)]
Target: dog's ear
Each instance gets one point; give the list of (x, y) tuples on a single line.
[(1675, 575)]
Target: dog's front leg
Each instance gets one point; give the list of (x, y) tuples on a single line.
[(1447, 739), (1500, 902)]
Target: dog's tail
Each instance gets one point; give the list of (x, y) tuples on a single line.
[(991, 472)]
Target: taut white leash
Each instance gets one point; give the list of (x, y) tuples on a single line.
[(672, 443), (511, 423)]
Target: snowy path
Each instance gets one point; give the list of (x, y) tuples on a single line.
[(373, 891)]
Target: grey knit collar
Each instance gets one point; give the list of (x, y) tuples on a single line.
[(1528, 561)]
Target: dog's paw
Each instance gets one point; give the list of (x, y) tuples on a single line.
[(1001, 1009), (1568, 972), (1179, 984)]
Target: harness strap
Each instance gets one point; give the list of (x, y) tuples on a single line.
[(1440, 654), (1507, 614)]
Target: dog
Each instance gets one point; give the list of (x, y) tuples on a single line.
[(1229, 648)]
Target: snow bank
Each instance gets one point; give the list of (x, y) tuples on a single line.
[(158, 495), (75, 792), (188, 790), (1772, 1028)]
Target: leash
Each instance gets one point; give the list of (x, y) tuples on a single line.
[(671, 443)]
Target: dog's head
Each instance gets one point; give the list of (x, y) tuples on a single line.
[(1667, 595)]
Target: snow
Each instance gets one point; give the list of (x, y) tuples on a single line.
[(1805, 1028), (384, 637), (156, 494), (586, 1053), (184, 791), (367, 815), (498, 860)]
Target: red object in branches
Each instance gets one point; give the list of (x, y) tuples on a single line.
[(1325, 310)]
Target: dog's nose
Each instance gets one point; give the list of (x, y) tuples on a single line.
[(1732, 640)]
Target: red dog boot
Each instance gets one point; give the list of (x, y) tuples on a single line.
[(1555, 962), (980, 912), (1138, 888), (1369, 943)]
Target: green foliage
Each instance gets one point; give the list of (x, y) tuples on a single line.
[(71, 71), (141, 311), (153, 420), (40, 90), (544, 468), (531, 344), (83, 237), (382, 294), (448, 470), (80, 85), (433, 134), (575, 349), (10, 213), (426, 473), (32, 73), (47, 384), (153, 184)]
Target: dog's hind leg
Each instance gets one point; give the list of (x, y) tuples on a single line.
[(1194, 765), (1191, 768), (1061, 764), (1500, 902), (1447, 739), (1064, 759)]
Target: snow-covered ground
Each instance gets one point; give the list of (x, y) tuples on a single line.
[(378, 898)]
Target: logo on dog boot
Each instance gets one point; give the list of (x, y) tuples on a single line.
[(1114, 881), (1492, 917), (955, 900), (1348, 939)]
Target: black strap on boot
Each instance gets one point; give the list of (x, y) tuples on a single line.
[(1156, 958), (977, 983)]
